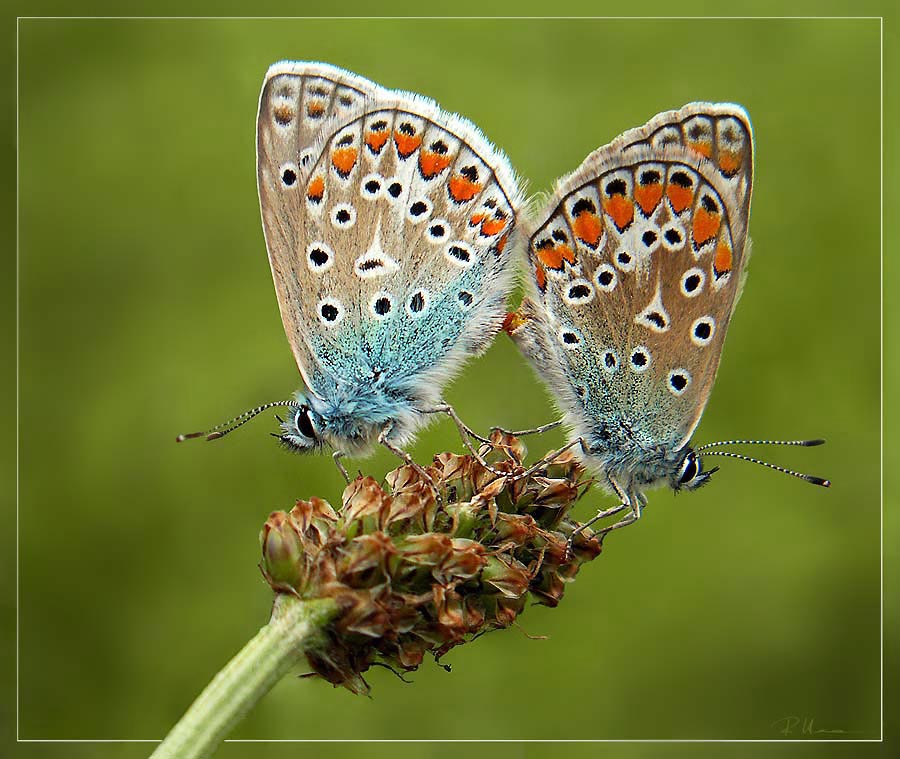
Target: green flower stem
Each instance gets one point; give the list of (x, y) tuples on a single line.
[(294, 627)]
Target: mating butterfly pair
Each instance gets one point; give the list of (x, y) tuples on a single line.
[(391, 229)]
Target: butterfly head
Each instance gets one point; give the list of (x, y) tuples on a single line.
[(690, 473), (301, 430)]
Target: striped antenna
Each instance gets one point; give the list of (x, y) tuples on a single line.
[(803, 443), (221, 430), (808, 477)]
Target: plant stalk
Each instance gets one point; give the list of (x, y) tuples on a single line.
[(294, 627)]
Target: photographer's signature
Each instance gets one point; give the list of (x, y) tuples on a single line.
[(806, 726)]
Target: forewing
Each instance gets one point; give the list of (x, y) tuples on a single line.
[(637, 263), (389, 251)]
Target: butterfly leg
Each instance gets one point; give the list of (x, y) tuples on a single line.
[(400, 453), (532, 431), (624, 503), (596, 518), (628, 519), (337, 456), (636, 503), (551, 457), (464, 429), (464, 432)]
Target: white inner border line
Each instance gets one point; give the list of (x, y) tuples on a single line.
[(799, 739)]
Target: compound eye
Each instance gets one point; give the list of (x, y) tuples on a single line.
[(304, 423), (689, 470)]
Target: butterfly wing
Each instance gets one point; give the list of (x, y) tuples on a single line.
[(388, 248), (637, 263)]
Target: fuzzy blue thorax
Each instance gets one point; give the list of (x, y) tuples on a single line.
[(351, 415), (634, 462)]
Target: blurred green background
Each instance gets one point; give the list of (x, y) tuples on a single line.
[(147, 309)]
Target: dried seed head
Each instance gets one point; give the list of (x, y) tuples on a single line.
[(413, 575)]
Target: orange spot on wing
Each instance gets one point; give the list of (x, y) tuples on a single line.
[(648, 196), (501, 243), (283, 114), (703, 148), (432, 164), (512, 322), (316, 189), (729, 162), (706, 225), (407, 144), (680, 197), (550, 257), (493, 226), (722, 262), (476, 219), (540, 277), (315, 110), (566, 253), (621, 209), (588, 228), (343, 159), (376, 140), (462, 188)]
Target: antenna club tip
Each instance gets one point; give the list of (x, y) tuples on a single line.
[(215, 435), (817, 441), (181, 438), (818, 481)]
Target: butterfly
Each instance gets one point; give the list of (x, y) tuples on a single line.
[(388, 223), (636, 264)]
